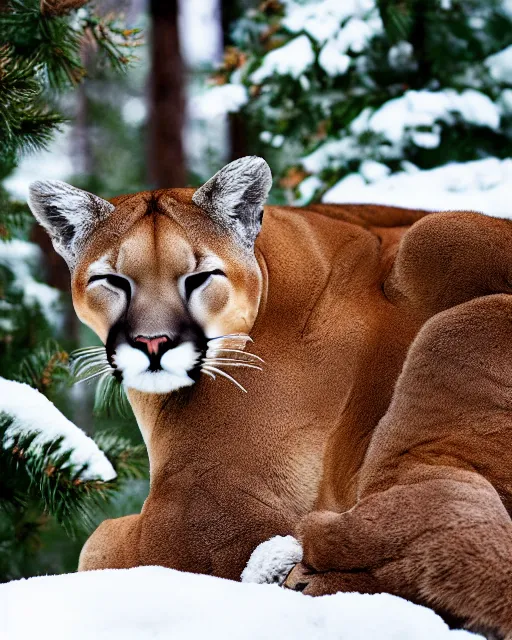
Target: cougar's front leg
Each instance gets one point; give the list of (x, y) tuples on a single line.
[(114, 545), (432, 522)]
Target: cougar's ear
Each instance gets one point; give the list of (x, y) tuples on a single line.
[(235, 196), (67, 213)]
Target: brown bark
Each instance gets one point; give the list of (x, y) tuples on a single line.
[(238, 148), (166, 156)]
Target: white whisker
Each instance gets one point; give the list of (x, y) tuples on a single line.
[(231, 363), (208, 373), (242, 336), (245, 353), (225, 375)]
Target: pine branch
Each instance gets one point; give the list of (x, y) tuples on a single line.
[(44, 367), (42, 476), (15, 217), (42, 52), (110, 398), (113, 40)]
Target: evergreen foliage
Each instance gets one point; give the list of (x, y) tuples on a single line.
[(356, 57), (43, 500), (41, 53), (37, 483)]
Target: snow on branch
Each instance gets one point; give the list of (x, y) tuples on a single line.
[(32, 412), (20, 258), (481, 185)]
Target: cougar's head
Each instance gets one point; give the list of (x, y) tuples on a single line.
[(161, 276)]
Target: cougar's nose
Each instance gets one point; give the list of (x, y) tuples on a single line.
[(155, 344)]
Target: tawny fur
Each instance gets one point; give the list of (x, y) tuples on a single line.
[(409, 493), (430, 516), (229, 470)]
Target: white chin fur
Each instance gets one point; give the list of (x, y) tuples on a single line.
[(176, 363)]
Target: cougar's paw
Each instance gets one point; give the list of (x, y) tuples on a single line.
[(303, 578), (272, 560), (299, 577), (311, 583)]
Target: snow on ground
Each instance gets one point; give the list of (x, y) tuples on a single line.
[(20, 258), (156, 603), (482, 185), (33, 412)]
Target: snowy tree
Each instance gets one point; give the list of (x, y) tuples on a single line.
[(51, 474), (365, 89)]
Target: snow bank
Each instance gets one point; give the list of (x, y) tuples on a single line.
[(33, 412), (482, 185), (156, 603)]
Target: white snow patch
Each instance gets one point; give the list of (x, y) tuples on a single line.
[(33, 412), (427, 139), (425, 108), (272, 560), (19, 257), (333, 154), (500, 65), (505, 101), (219, 100), (154, 603), (354, 36), (373, 171), (401, 56), (307, 189), (322, 20), (293, 58), (481, 185), (507, 7), (134, 111), (414, 117), (332, 60)]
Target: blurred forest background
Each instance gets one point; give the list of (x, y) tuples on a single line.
[(405, 102)]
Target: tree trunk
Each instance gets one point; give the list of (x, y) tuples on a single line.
[(166, 157), (231, 11)]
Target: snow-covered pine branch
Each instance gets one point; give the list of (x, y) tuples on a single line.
[(359, 92), (21, 258), (32, 412)]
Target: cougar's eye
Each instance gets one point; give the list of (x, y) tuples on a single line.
[(114, 282), (196, 280)]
